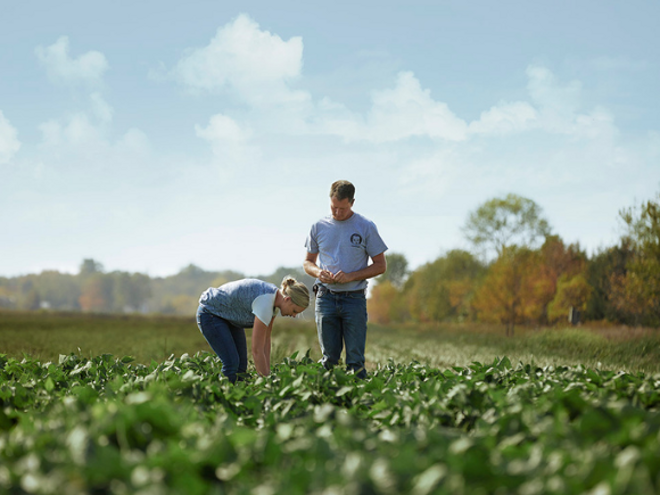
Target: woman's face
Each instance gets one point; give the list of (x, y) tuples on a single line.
[(289, 309)]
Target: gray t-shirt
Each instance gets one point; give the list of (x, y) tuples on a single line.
[(345, 245), (240, 301)]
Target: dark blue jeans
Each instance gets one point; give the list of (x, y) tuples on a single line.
[(227, 340), (341, 319)]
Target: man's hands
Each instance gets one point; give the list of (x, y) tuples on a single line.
[(342, 278), (337, 278), (378, 266)]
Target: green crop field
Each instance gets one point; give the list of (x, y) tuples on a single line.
[(445, 410)]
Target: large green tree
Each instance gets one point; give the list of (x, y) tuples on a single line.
[(397, 270), (504, 222)]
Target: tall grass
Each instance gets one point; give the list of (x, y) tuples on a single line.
[(45, 336), (444, 345)]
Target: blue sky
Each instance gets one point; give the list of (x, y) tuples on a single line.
[(150, 135)]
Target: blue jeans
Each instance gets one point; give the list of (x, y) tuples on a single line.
[(227, 340), (341, 319)]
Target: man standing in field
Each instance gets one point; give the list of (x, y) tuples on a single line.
[(343, 243)]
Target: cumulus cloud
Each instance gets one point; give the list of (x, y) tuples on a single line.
[(228, 139), (134, 142), (75, 130), (254, 63), (101, 109), (9, 143), (80, 128), (61, 67), (408, 110), (505, 118), (549, 94), (259, 67), (559, 107), (552, 141), (404, 111), (78, 148)]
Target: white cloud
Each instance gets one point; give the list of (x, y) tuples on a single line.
[(256, 64), (565, 147), (408, 110), (80, 128), (134, 142), (559, 105), (101, 109), (229, 141), (88, 67), (9, 143), (76, 130), (505, 118), (77, 144), (399, 113), (435, 173), (259, 67), (549, 95)]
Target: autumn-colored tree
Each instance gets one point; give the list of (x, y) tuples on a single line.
[(130, 291), (382, 302), (96, 294), (510, 291), (627, 294), (442, 289), (90, 267), (556, 261), (190, 281), (601, 268), (27, 293), (639, 290), (7, 298), (58, 290), (180, 305), (572, 292)]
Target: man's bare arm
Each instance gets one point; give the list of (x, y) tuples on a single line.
[(378, 266)]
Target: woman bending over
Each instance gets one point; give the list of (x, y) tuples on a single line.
[(226, 311)]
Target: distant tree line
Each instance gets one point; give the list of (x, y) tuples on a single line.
[(94, 290), (518, 272)]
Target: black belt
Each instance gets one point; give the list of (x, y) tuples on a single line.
[(322, 289)]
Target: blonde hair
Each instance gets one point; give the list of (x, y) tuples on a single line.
[(297, 291)]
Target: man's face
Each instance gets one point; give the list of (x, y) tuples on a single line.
[(341, 209)]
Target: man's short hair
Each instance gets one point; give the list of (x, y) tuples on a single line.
[(342, 189)]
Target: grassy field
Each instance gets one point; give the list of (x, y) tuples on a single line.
[(45, 336)]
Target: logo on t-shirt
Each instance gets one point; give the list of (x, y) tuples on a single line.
[(356, 239)]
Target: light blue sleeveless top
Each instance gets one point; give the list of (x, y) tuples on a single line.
[(233, 300)]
